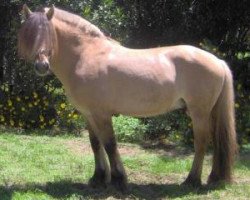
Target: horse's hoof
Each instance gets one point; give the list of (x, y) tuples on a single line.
[(95, 182), (196, 183), (216, 183), (120, 183)]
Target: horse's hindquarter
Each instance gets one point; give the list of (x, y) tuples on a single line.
[(200, 76)]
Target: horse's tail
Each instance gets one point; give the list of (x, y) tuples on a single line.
[(224, 134)]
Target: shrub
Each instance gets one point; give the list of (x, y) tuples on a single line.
[(175, 126), (36, 109), (129, 129)]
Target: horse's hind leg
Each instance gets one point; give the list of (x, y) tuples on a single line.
[(201, 129), (103, 126), (102, 172)]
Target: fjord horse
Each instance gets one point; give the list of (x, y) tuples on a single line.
[(102, 78)]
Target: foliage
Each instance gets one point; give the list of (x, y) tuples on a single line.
[(36, 109), (221, 27), (175, 126), (129, 129)]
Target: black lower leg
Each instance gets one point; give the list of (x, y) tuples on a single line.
[(101, 173), (118, 176)]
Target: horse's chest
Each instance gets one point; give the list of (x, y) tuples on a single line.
[(77, 100)]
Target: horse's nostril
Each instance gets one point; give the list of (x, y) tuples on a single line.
[(47, 66), (42, 68)]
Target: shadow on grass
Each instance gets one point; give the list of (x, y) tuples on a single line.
[(169, 149), (64, 189)]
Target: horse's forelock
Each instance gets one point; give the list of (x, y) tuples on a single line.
[(36, 31)]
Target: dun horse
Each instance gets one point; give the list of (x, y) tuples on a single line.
[(102, 78)]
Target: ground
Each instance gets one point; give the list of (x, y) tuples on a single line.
[(44, 167)]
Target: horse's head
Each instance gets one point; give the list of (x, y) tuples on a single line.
[(37, 39)]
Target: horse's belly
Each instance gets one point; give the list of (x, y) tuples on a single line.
[(142, 107)]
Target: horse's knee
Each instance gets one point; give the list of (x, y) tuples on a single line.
[(95, 143), (111, 147)]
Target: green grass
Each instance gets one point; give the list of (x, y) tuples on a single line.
[(44, 167)]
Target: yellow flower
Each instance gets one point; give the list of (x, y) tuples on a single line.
[(12, 122), (46, 103), (9, 103), (35, 103), (30, 105), (18, 99), (237, 105), (75, 116), (20, 124), (41, 118), (52, 121), (6, 89), (23, 109), (69, 115), (63, 105), (2, 118), (42, 126), (35, 95)]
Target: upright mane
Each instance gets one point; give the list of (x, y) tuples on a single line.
[(77, 22)]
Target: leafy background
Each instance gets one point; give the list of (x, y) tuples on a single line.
[(221, 27)]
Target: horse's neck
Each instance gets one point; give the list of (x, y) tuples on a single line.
[(71, 46)]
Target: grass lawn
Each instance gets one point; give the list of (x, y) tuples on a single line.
[(42, 167)]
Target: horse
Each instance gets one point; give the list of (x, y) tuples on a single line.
[(102, 78)]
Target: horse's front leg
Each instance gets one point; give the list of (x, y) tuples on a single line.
[(118, 175), (102, 172), (103, 126)]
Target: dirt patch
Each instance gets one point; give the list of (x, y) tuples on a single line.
[(81, 146), (168, 149)]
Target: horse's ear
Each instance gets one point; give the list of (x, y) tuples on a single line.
[(50, 12), (26, 11)]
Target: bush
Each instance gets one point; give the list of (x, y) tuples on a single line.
[(33, 109), (128, 129), (175, 126)]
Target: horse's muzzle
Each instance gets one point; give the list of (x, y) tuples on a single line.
[(42, 68)]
